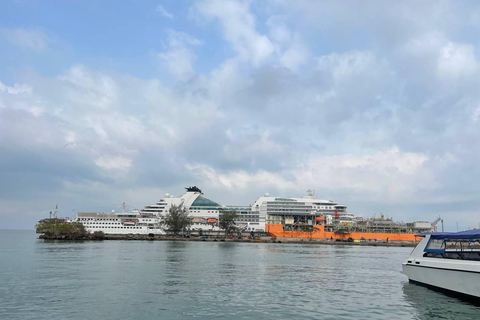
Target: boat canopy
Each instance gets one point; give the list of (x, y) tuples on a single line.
[(468, 234)]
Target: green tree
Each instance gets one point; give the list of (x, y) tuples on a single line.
[(342, 232), (50, 227), (177, 219), (227, 221)]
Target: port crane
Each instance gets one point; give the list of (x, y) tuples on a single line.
[(434, 223)]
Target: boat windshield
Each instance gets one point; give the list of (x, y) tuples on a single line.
[(464, 249), (436, 246)]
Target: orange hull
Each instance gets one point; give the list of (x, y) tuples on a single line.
[(276, 230)]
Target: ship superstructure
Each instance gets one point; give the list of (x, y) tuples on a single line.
[(291, 211), (204, 212)]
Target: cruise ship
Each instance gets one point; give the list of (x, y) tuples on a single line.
[(120, 223), (204, 212)]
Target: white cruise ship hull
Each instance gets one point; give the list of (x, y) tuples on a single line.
[(127, 230), (120, 223)]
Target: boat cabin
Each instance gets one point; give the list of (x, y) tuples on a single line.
[(463, 245)]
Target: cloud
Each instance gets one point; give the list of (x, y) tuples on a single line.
[(289, 46), (345, 65), (164, 12), (456, 60), (178, 59), (389, 175), (238, 28), (33, 39), (113, 162), (16, 89)]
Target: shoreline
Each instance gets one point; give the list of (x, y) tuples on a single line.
[(277, 240)]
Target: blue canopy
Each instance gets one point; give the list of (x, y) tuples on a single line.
[(468, 234)]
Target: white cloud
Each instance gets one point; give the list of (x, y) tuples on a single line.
[(251, 142), (238, 27), (391, 174), (295, 56), (237, 179), (90, 89), (178, 62), (289, 47), (386, 176), (476, 114), (27, 38), (456, 60), (344, 65), (16, 89), (24, 91), (178, 59), (36, 111), (113, 162), (164, 12)]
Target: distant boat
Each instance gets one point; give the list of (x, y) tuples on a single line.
[(447, 261)]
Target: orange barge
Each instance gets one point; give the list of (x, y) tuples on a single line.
[(319, 232)]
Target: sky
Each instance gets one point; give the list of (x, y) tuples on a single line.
[(372, 104)]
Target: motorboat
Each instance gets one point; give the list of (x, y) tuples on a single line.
[(448, 261)]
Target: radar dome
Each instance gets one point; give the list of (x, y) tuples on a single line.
[(167, 195), (267, 194)]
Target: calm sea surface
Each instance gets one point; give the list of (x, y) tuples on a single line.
[(205, 280)]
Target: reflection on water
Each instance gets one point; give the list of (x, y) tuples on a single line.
[(432, 304), (205, 280)]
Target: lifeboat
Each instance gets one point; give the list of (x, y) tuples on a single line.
[(129, 222), (212, 220), (320, 219)]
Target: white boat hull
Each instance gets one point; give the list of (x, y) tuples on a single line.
[(456, 275), (466, 282)]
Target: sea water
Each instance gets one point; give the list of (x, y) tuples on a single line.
[(210, 280)]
